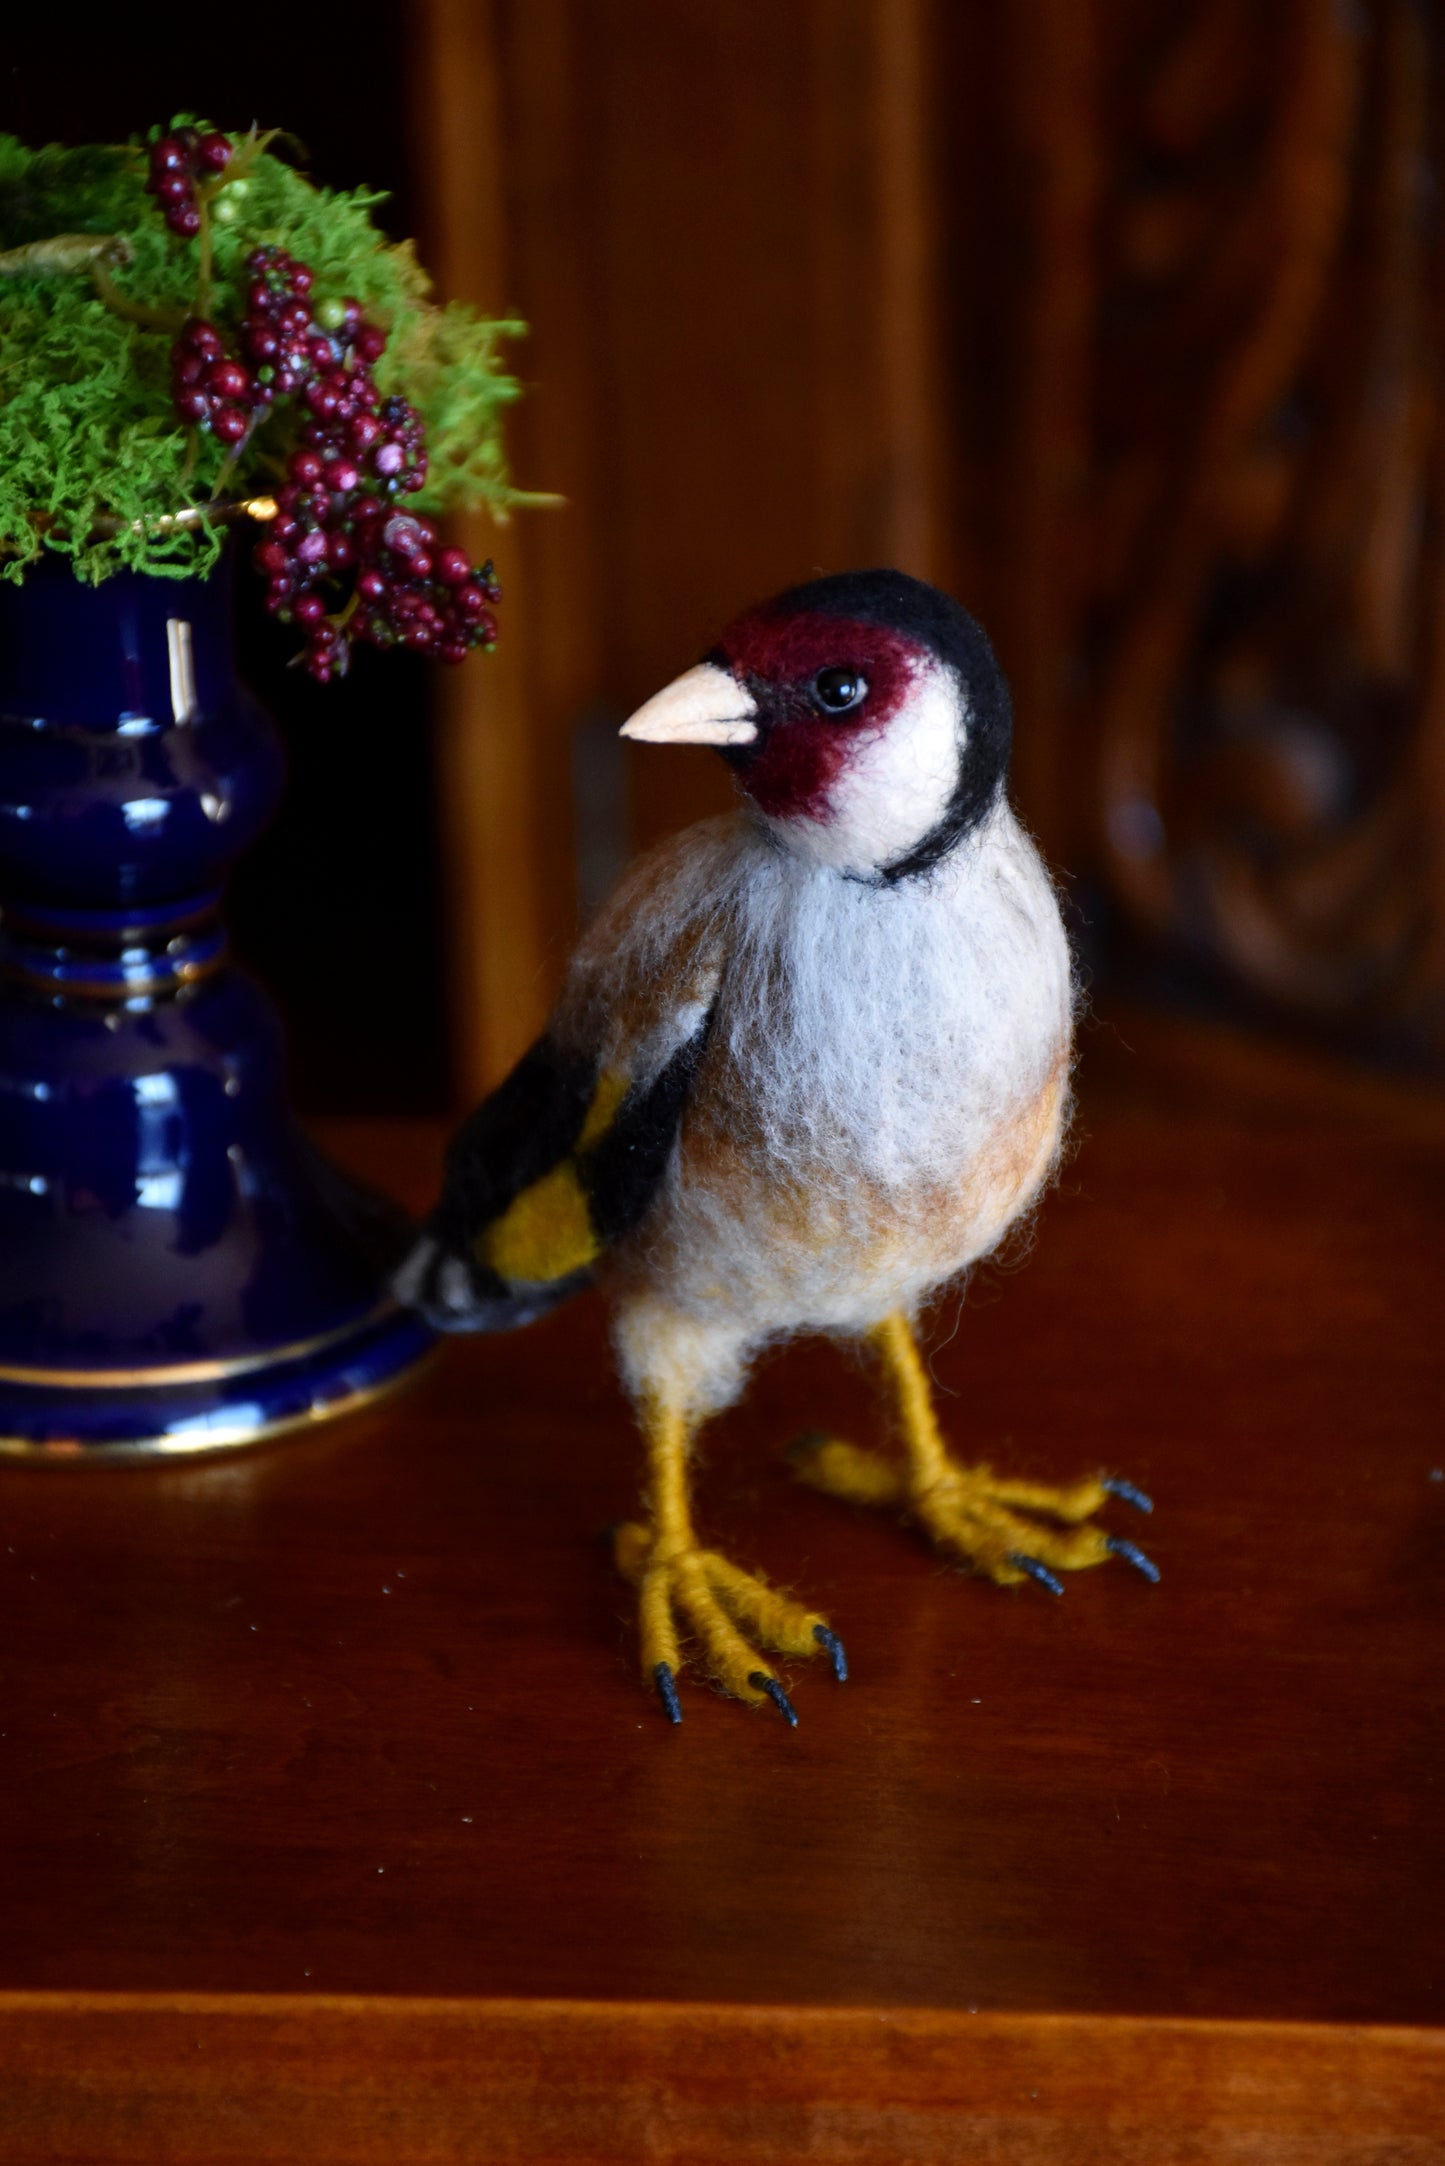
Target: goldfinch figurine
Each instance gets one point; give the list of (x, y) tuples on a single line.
[(810, 1063)]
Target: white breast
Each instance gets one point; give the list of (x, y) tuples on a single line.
[(873, 1048)]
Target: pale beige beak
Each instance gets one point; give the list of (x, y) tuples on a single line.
[(704, 706)]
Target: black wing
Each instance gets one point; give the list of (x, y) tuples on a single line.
[(557, 1164)]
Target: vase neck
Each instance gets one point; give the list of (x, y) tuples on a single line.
[(132, 772), (131, 653)]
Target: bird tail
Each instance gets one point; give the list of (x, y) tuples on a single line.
[(455, 1292)]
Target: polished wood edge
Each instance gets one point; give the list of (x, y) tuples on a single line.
[(272, 2077)]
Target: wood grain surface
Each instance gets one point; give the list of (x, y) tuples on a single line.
[(216, 2081), (357, 1715)]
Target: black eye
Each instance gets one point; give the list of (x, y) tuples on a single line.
[(839, 689)]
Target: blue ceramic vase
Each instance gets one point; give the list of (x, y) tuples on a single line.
[(179, 1270)]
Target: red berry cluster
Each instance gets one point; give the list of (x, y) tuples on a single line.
[(405, 592), (177, 162), (289, 344), (209, 388), (337, 535)]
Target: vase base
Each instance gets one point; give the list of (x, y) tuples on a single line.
[(103, 1424)]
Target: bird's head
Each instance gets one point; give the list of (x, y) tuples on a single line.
[(864, 715)]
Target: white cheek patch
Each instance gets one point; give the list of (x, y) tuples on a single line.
[(895, 786)]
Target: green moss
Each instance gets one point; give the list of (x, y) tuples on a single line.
[(91, 453)]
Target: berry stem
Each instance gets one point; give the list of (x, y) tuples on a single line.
[(203, 251), (232, 460), (246, 152), (188, 464)]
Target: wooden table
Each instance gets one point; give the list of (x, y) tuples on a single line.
[(337, 1826)]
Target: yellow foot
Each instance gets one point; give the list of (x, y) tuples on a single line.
[(1000, 1527), (732, 1612)]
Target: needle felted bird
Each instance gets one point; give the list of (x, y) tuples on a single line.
[(809, 1064)]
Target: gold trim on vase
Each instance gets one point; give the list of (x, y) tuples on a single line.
[(180, 977), (210, 1441), (161, 1374)]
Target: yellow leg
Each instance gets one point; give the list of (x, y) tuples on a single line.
[(732, 1612), (968, 1510)]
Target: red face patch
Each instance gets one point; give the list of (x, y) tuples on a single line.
[(802, 749)]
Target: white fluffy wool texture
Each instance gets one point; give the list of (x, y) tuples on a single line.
[(881, 1092)]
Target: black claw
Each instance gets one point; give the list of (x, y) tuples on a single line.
[(836, 1652), (667, 1692), (1037, 1571), (1132, 1554), (1119, 1488), (777, 1695)]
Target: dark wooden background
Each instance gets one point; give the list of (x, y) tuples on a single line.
[(1122, 321)]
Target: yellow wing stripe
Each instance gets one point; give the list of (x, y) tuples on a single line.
[(546, 1233), (608, 1096)]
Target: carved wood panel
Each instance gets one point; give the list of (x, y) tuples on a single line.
[(1121, 317), (1259, 553)]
